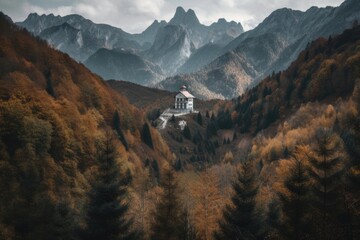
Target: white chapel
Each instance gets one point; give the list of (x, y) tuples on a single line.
[(184, 100)]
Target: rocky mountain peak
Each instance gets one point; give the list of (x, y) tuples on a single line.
[(188, 18)]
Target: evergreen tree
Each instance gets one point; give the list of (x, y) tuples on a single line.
[(241, 221), (187, 133), (351, 137), (146, 136), (167, 224), (106, 213), (172, 118), (211, 129), (155, 171), (295, 200), (326, 171), (207, 115), (121, 136), (199, 119), (273, 220), (49, 88)]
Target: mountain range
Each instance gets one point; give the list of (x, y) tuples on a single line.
[(216, 61), (168, 45), (269, 47)]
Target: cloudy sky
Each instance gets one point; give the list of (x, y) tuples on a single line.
[(135, 15)]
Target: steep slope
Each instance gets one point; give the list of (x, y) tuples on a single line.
[(278, 40), (91, 36), (325, 71), (117, 64), (171, 48), (54, 118), (223, 32), (186, 28), (200, 58), (147, 37), (285, 110), (226, 76)]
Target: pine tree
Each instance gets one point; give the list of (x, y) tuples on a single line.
[(199, 119), (351, 137), (295, 200), (187, 133), (326, 171), (106, 213), (274, 220), (146, 136), (207, 115), (167, 224), (49, 88), (121, 136), (241, 221)]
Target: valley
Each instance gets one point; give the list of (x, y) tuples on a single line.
[(185, 131)]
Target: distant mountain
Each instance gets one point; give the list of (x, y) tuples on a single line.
[(125, 65), (271, 46), (175, 43), (221, 32), (171, 48), (147, 37), (77, 36), (168, 45), (225, 76)]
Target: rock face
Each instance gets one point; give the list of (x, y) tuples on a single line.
[(175, 43), (117, 64), (271, 46), (63, 32), (171, 48), (147, 37)]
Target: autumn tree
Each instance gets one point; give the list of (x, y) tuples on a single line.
[(209, 203), (295, 201), (166, 224), (187, 230), (241, 219), (106, 216), (144, 199), (326, 172)]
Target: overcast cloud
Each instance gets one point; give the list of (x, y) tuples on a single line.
[(135, 15)]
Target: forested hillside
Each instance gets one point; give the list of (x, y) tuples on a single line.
[(55, 116)]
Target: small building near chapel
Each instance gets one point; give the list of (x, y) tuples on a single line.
[(184, 100)]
